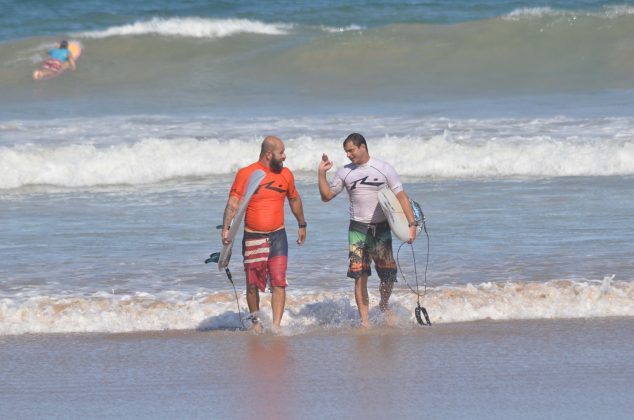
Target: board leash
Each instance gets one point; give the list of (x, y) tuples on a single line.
[(235, 292), (419, 311), (214, 258)]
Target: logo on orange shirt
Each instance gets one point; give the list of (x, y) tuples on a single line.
[(269, 186)]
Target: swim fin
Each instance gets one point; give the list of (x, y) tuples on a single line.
[(213, 258)]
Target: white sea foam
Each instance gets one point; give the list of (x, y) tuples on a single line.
[(155, 150), (104, 312), (156, 160), (191, 27), (532, 12), (147, 161), (608, 12), (349, 28)]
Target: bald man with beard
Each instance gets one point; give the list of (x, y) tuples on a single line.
[(264, 244)]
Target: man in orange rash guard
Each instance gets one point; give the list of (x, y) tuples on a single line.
[(264, 245)]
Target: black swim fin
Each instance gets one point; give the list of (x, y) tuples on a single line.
[(213, 258)]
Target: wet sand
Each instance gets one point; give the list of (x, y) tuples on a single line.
[(563, 369)]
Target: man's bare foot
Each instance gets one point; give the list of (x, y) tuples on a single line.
[(256, 328), (256, 325), (364, 325), (390, 318)]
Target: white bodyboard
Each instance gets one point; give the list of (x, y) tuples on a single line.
[(254, 182), (394, 213)]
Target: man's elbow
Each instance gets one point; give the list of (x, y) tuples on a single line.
[(326, 197), (402, 194)]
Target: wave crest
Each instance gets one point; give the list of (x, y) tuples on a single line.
[(192, 27), (110, 313), (607, 12), (459, 152)]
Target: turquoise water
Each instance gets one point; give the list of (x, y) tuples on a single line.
[(272, 58), (45, 18)]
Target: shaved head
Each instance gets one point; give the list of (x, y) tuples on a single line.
[(270, 144), (272, 153)]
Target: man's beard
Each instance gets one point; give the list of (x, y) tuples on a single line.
[(276, 165)]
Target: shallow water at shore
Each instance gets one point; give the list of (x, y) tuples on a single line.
[(565, 369)]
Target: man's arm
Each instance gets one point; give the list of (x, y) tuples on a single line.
[(298, 211), (230, 211), (409, 213), (324, 187)]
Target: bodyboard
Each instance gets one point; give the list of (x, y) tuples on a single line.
[(252, 186), (75, 48), (394, 212)]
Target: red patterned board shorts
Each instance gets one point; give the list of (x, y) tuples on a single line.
[(52, 64), (265, 258)]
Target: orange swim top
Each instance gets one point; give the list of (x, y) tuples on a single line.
[(265, 212)]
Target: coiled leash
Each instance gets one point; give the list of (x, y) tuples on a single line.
[(419, 311), (214, 258)]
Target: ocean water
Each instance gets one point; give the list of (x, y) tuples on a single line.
[(510, 122), (306, 58)]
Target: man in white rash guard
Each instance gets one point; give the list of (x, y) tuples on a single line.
[(369, 235)]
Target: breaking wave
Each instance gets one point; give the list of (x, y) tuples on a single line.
[(113, 313), (192, 27), (463, 149)]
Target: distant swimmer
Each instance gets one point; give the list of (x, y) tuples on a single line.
[(60, 59)]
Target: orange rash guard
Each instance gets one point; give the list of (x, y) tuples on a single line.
[(265, 212)]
